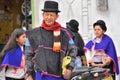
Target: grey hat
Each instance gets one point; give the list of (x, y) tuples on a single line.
[(50, 6)]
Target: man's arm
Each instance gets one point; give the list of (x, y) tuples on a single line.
[(71, 53), (29, 54)]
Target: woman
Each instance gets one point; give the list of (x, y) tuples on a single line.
[(12, 57), (102, 49), (72, 26)]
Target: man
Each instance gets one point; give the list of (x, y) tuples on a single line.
[(47, 46)]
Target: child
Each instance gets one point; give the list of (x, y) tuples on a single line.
[(12, 58)]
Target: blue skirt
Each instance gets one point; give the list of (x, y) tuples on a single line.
[(40, 76)]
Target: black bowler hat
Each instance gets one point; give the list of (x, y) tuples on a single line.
[(73, 25), (50, 6), (102, 24)]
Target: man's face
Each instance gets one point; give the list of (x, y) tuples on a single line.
[(49, 18)]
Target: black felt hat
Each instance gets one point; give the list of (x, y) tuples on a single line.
[(50, 6), (73, 25), (102, 24)]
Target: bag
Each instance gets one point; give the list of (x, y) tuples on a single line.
[(78, 63), (108, 78), (66, 61)]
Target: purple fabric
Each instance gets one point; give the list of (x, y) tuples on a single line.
[(40, 76), (107, 45), (13, 58)]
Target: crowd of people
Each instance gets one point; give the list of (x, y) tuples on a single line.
[(39, 53)]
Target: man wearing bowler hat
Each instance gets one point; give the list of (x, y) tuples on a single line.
[(46, 47)]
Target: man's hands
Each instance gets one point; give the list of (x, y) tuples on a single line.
[(67, 74), (28, 77)]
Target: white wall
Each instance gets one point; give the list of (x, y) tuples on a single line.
[(112, 19)]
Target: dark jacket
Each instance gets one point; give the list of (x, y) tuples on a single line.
[(80, 46), (40, 53)]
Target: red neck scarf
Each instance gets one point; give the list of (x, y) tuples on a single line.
[(55, 27)]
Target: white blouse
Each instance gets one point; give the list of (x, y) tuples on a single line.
[(17, 73)]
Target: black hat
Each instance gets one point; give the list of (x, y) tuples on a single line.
[(73, 25), (50, 6), (102, 24)]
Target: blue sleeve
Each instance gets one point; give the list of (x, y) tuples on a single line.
[(27, 42)]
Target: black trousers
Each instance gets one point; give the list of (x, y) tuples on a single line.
[(7, 78)]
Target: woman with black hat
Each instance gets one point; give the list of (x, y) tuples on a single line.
[(49, 44), (72, 26), (103, 49)]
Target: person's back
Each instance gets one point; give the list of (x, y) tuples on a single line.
[(72, 26)]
